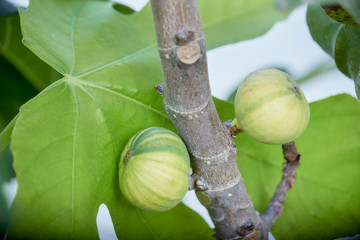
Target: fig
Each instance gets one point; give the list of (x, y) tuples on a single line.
[(154, 170), (270, 107)]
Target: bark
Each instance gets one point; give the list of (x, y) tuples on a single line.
[(276, 205), (188, 103)]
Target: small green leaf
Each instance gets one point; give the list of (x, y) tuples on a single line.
[(338, 40)]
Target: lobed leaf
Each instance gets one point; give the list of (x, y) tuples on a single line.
[(67, 140)]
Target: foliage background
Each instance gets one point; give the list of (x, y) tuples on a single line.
[(252, 161)]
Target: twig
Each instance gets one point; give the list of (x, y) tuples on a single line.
[(275, 207)]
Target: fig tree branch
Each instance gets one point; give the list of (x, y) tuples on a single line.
[(276, 205), (188, 103)]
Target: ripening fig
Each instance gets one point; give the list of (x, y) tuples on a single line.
[(154, 170), (270, 107)]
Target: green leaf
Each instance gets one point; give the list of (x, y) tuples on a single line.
[(75, 142), (233, 15), (67, 140), (325, 201), (347, 10), (340, 41), (353, 7), (38, 73)]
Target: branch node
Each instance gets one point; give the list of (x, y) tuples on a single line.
[(183, 37), (198, 183), (290, 152), (246, 228), (160, 88), (201, 184)]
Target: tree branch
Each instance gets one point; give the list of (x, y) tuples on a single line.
[(188, 103), (275, 207)]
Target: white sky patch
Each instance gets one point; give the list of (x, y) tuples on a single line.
[(20, 3), (9, 189), (104, 224)]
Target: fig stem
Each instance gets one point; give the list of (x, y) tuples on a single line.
[(233, 126), (236, 127)]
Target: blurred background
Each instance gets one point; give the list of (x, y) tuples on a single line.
[(287, 46)]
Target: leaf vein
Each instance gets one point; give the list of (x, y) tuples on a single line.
[(73, 164), (103, 115), (72, 37), (119, 60), (121, 95)]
